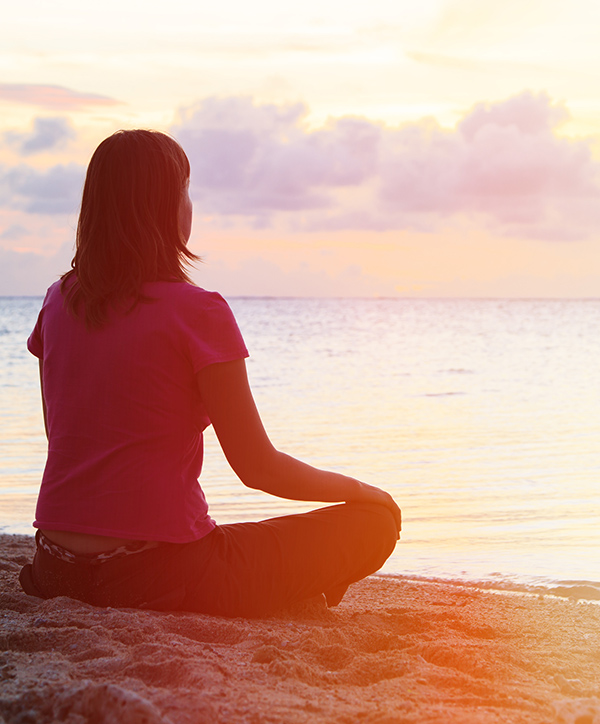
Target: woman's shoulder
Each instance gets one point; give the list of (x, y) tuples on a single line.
[(54, 291), (184, 294), (200, 317), (188, 303), (54, 298)]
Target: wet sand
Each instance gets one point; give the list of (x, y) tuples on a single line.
[(395, 650)]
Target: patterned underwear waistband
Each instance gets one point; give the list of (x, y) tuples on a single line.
[(57, 551)]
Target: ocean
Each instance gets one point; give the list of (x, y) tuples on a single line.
[(481, 417)]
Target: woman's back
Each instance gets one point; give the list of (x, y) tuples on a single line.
[(123, 406)]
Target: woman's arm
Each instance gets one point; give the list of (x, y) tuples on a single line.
[(43, 400), (230, 405)]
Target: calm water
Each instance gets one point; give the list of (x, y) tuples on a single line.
[(482, 417)]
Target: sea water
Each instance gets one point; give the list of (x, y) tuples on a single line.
[(481, 417)]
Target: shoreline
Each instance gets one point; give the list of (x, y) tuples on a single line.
[(397, 649), (584, 591)]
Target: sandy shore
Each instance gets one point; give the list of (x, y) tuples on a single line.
[(393, 651)]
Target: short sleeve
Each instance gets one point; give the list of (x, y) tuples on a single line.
[(35, 341), (213, 334)]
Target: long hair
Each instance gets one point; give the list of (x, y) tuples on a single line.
[(128, 231)]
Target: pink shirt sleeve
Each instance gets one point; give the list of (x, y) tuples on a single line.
[(212, 333)]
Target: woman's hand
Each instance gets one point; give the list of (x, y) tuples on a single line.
[(371, 494)]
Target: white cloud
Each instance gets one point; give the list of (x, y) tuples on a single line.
[(256, 160), (48, 134), (503, 163), (14, 232), (56, 190)]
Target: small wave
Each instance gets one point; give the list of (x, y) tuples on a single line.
[(456, 371), (583, 591), (572, 590)]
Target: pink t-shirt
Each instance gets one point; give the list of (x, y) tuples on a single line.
[(125, 417)]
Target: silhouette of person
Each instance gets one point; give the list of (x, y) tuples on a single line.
[(135, 362)]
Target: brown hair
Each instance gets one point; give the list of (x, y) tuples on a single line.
[(128, 231)]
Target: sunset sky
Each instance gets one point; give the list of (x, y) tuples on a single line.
[(388, 148)]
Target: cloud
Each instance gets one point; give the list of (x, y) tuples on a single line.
[(48, 134), (52, 96), (503, 163), (56, 190), (28, 273), (530, 114), (14, 232), (255, 160)]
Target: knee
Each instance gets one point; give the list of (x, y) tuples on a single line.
[(388, 530), (380, 527)]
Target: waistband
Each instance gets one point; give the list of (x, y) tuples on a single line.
[(57, 551)]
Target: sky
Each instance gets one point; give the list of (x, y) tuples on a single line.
[(445, 148)]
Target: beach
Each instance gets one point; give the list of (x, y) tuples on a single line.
[(394, 650)]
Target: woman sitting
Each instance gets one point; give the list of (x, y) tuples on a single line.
[(135, 361)]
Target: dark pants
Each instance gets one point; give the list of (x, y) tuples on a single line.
[(244, 569)]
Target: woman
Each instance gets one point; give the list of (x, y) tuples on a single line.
[(135, 361)]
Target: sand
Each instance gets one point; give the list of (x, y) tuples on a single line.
[(395, 650)]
